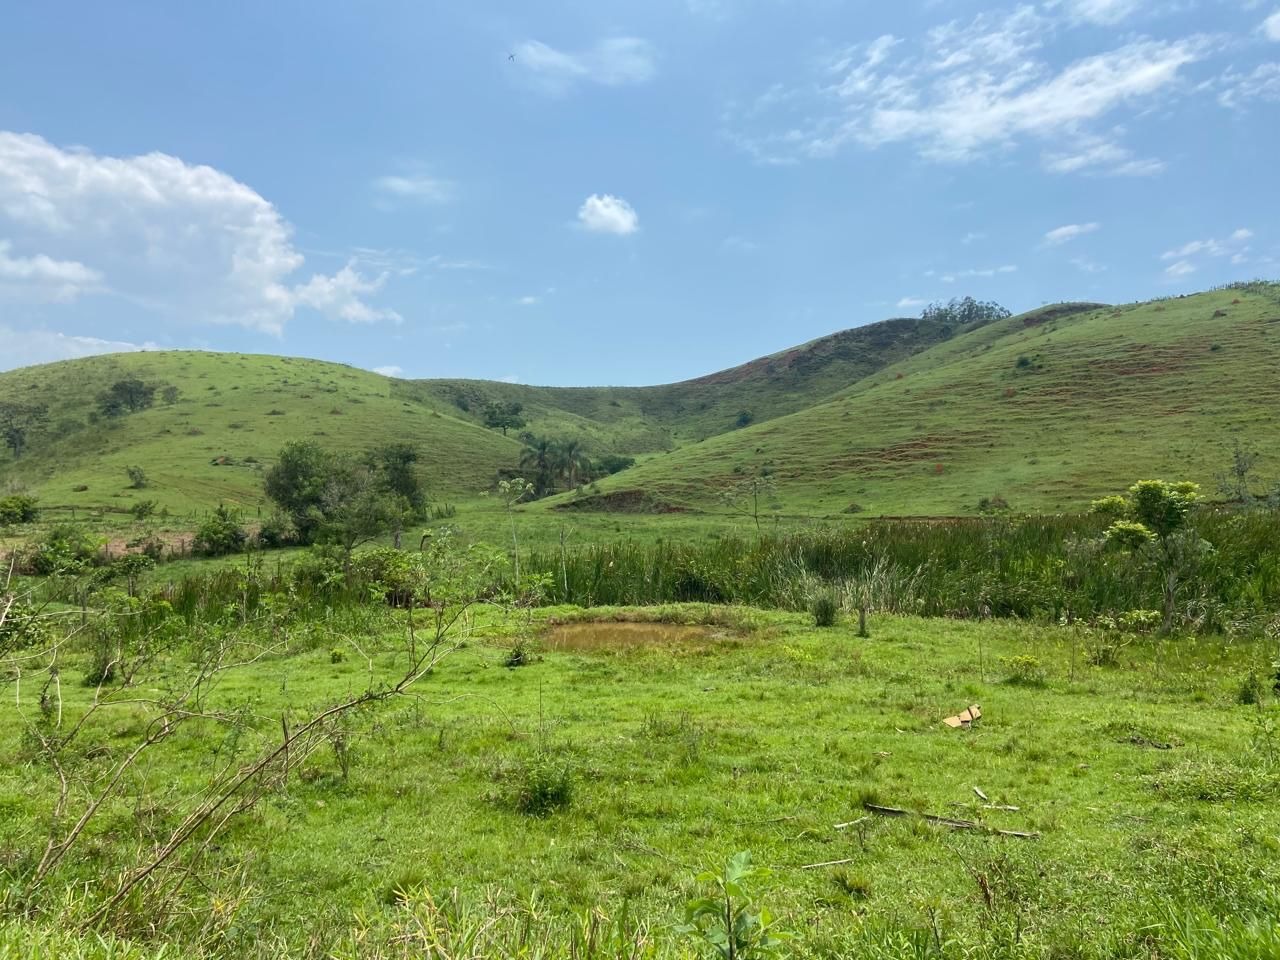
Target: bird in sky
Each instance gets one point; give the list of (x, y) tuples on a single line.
[(511, 57)]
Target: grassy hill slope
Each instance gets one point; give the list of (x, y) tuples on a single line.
[(1045, 410), (232, 415), (644, 419)]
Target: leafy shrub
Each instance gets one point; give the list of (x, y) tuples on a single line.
[(220, 534), (996, 504), (65, 547), (17, 508), (825, 607), (278, 530), (541, 785), (21, 627), (143, 509), (1251, 691), (137, 477), (1024, 670)]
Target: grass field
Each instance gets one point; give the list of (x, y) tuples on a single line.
[(655, 753)]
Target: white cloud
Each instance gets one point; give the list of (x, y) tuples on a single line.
[(1102, 12), (966, 90), (612, 62), (605, 213), (978, 272), (389, 371), (1235, 247), (529, 300), (418, 187), (340, 296), (1101, 156), (1085, 265), (21, 348), (509, 378), (1070, 231), (1240, 88), (186, 241), (1271, 26), (910, 303), (972, 237), (43, 278)]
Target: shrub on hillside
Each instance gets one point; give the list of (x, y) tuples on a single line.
[(17, 508), (219, 535)]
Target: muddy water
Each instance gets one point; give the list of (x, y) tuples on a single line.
[(631, 636)]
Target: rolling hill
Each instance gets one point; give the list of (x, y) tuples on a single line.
[(1044, 410), (232, 414), (646, 419)]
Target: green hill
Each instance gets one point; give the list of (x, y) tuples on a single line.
[(645, 419), (232, 414), (1045, 410)]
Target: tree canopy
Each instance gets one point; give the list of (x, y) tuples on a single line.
[(965, 310)]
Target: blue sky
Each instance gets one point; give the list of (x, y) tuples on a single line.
[(647, 192)]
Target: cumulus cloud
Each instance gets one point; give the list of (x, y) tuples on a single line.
[(967, 89), (186, 241), (389, 371), (20, 348), (605, 213), (910, 303), (529, 300), (1067, 232), (1271, 26), (43, 278), (612, 62)]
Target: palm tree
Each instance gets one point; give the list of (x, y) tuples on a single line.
[(539, 456), (571, 461)]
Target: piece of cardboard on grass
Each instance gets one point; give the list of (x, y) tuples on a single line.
[(965, 718)]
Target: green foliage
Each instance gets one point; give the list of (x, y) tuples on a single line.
[(540, 785), (126, 396), (335, 498), (965, 310), (504, 415), (19, 422), (1025, 670), (143, 509), (137, 477), (18, 508), (219, 534), (730, 921), (825, 608), (63, 548)]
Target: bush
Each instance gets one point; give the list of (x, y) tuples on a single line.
[(541, 786), (64, 547), (137, 477), (278, 530), (1251, 691), (825, 608), (143, 509), (17, 508), (1024, 670), (220, 534)]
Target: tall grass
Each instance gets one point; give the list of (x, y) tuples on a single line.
[(1037, 567)]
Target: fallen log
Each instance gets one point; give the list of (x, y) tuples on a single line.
[(947, 821)]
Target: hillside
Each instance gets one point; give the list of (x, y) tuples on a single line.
[(231, 415), (645, 419), (1045, 410)]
